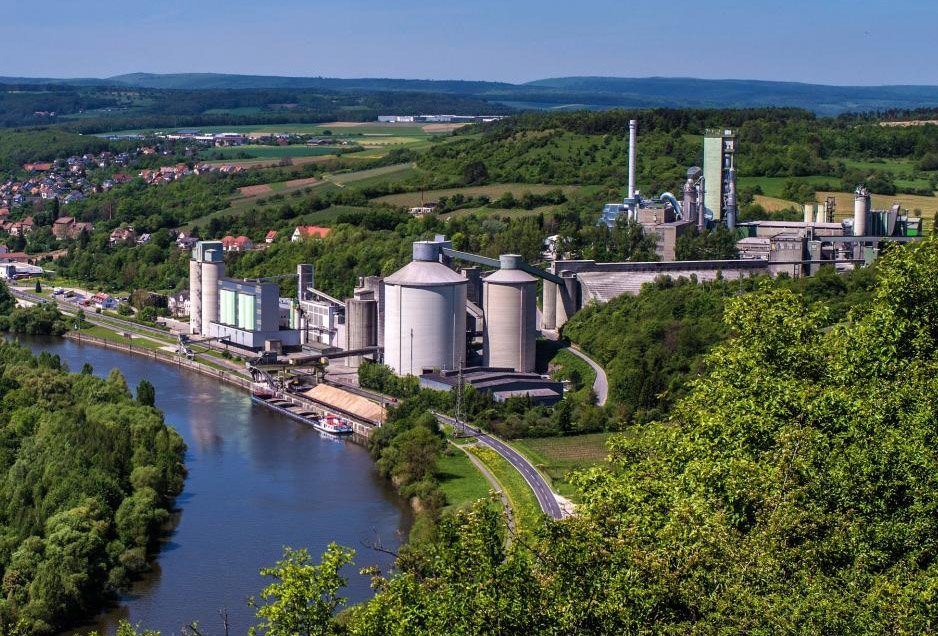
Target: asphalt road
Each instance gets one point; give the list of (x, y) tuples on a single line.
[(545, 496), (601, 384)]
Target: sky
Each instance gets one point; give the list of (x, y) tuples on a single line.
[(856, 42)]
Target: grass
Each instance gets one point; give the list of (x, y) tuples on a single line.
[(138, 341), (267, 152), (775, 204), (338, 129), (527, 512), (460, 481), (559, 457), (410, 199)]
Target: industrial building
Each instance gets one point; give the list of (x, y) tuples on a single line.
[(242, 313), (666, 218), (500, 383), (719, 176)]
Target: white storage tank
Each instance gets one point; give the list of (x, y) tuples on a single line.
[(195, 296), (509, 339), (424, 315)]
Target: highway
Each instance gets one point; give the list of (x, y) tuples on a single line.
[(545, 496), (601, 383)]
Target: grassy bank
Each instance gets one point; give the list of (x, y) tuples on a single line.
[(521, 498)]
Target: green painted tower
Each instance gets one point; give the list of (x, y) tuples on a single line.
[(719, 159)]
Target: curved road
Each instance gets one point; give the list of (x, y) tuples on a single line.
[(545, 496), (601, 383)]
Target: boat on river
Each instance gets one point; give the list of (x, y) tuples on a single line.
[(332, 425)]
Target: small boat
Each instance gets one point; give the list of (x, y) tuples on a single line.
[(332, 424)]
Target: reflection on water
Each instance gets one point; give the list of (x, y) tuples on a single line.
[(257, 481)]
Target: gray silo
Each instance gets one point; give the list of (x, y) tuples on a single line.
[(424, 315), (361, 324), (510, 317)]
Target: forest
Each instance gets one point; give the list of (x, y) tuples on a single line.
[(654, 345), (88, 475)]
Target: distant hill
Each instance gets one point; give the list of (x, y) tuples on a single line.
[(198, 81), (691, 92), (595, 93)]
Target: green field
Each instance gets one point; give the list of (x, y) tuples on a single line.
[(268, 152), (338, 129), (410, 199), (559, 457), (524, 506), (460, 481), (330, 182)]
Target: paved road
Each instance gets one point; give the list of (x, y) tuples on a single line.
[(545, 496), (110, 322), (601, 383)]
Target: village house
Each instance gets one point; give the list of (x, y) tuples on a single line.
[(271, 237), (122, 235), (303, 232), (237, 244), (179, 304), (103, 301)]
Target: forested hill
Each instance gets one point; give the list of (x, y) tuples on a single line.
[(596, 93)]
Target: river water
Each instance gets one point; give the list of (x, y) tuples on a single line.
[(257, 481)]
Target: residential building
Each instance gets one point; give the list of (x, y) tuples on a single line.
[(303, 232)]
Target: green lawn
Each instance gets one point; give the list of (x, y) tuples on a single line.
[(559, 457), (521, 498), (460, 481)]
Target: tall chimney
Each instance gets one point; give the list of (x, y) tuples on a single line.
[(633, 129)]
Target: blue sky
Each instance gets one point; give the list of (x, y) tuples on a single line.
[(825, 41)]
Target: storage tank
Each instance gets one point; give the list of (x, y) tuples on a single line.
[(861, 205), (510, 317), (195, 296), (808, 213), (424, 315), (361, 325), (213, 270)]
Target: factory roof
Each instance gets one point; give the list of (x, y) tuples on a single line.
[(424, 274)]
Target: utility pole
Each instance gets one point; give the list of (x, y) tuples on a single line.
[(459, 430)]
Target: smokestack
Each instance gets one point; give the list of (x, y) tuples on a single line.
[(701, 207), (731, 202), (633, 129)]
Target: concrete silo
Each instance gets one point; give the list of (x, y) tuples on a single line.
[(195, 296), (213, 270), (424, 315), (510, 317), (361, 324)]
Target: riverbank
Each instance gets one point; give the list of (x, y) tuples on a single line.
[(229, 377), (257, 482)]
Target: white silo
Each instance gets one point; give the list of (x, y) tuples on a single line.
[(195, 296), (213, 270), (424, 315), (510, 317), (861, 205)]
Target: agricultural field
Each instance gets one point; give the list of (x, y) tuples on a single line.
[(268, 152), (927, 207), (411, 199), (775, 204), (558, 457)]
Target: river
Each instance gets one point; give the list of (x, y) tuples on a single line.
[(257, 481)]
